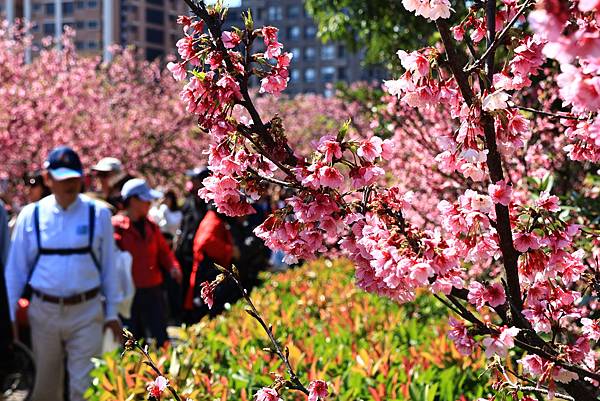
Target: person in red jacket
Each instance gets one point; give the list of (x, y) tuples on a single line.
[(213, 243), (151, 254)]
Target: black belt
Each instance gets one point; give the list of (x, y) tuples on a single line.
[(70, 300)]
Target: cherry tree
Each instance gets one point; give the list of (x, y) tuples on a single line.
[(509, 82)]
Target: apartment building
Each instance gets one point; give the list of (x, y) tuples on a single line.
[(149, 25)]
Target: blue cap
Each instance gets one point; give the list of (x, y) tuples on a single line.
[(140, 188), (63, 163)]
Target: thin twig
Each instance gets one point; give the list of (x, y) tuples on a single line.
[(548, 114), (278, 350), (498, 39)]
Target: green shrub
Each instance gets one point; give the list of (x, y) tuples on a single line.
[(366, 347)]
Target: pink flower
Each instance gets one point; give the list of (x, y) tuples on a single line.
[(370, 149), (458, 32), (548, 202), (207, 292), (178, 71), (420, 272), (330, 177), (494, 295), (230, 39), (526, 241), (330, 148), (459, 334), (476, 294), (432, 9), (500, 193), (591, 328), (157, 387), (273, 84), (495, 101), (317, 389), (267, 394), (500, 344)]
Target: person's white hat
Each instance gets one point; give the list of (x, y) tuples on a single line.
[(140, 188), (108, 164)]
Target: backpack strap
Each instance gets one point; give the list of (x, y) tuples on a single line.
[(36, 229), (44, 251), (92, 223)]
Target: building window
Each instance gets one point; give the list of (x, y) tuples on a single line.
[(310, 75), (310, 53), (92, 45), (341, 51), (79, 4), (49, 8), (37, 7), (259, 13), (151, 53), (342, 73), (92, 4), (155, 36), (92, 24), (49, 28), (156, 2), (294, 11), (68, 8), (295, 75), (293, 33), (79, 24), (328, 52), (275, 13), (155, 16), (310, 32), (296, 52), (328, 74)]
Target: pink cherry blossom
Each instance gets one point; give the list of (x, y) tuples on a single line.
[(500, 192), (157, 387), (370, 149), (267, 394), (207, 294), (230, 39), (495, 101), (459, 334), (317, 389), (500, 344), (525, 241), (591, 328)]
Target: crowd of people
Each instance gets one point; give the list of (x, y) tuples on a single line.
[(79, 263)]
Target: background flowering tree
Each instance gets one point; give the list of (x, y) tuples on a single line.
[(511, 265), (125, 109), (128, 109)]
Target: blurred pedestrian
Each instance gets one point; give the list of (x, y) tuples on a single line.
[(112, 176), (168, 216), (213, 243), (193, 211), (37, 189), (136, 234), (63, 248)]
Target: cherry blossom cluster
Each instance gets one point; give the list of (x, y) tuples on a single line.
[(503, 256)]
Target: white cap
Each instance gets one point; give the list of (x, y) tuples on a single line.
[(108, 164)]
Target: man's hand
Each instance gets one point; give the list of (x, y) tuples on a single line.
[(176, 275), (116, 328)]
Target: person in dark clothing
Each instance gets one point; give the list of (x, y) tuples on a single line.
[(194, 209), (254, 255)]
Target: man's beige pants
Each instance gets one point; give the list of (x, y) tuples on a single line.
[(59, 330)]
